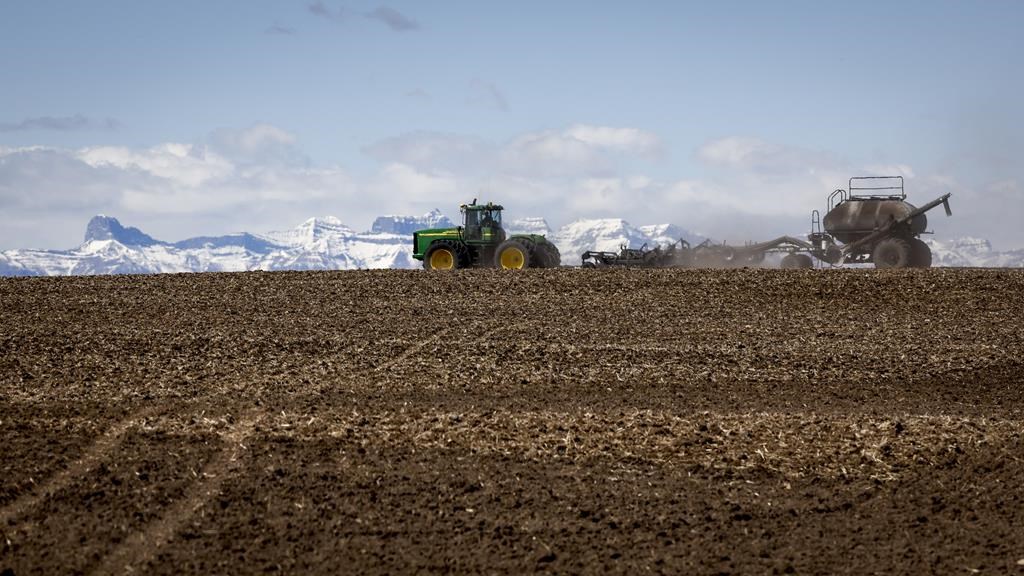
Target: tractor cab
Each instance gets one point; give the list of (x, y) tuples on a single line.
[(482, 223)]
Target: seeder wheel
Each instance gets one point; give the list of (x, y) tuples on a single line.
[(796, 262)]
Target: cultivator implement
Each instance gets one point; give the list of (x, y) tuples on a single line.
[(704, 255), (672, 256)]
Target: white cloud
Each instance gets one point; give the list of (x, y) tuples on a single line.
[(614, 196), (39, 178), (551, 154), (257, 137), (888, 170), (766, 159), (244, 179), (182, 164), (624, 140), (261, 144), (411, 186), (753, 176), (258, 179), (733, 152), (435, 151), (577, 150), (239, 191)]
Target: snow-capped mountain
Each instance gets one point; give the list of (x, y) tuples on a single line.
[(316, 244), (528, 226), (408, 224), (328, 244), (969, 251), (665, 234), (104, 228), (609, 234)]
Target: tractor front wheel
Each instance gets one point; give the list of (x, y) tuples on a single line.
[(444, 256), (512, 255)]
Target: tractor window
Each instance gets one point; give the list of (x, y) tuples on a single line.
[(491, 218), (472, 218)]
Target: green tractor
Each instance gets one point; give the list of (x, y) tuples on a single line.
[(481, 242)]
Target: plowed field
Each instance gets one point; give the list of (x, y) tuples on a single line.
[(667, 421)]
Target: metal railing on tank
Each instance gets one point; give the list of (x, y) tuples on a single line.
[(876, 184)]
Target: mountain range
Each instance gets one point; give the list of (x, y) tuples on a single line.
[(327, 244)]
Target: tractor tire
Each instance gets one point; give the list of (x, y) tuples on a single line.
[(540, 257), (893, 253), (921, 254), (445, 255), (555, 257), (513, 254), (796, 262), (542, 254), (547, 256)]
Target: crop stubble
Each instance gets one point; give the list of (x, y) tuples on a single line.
[(699, 421)]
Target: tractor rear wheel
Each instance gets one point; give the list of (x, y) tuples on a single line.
[(796, 262), (921, 254), (444, 255), (513, 254), (547, 256), (893, 253)]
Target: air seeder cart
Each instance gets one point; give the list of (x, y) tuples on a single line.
[(874, 224), (868, 223)]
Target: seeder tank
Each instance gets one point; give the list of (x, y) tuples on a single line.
[(856, 217), (874, 223)]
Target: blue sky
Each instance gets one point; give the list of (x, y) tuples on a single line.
[(731, 118)]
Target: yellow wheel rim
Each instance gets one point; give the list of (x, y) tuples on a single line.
[(442, 260), (513, 258)]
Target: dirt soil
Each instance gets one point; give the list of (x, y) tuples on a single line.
[(572, 421)]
